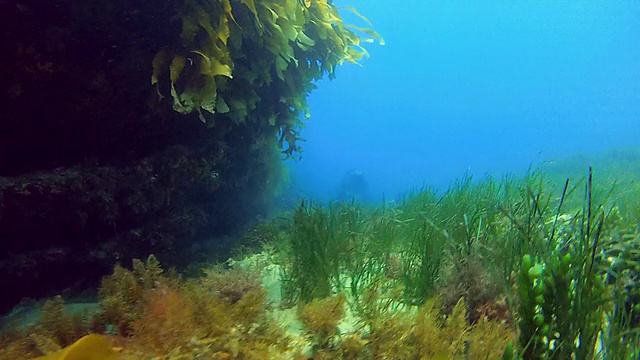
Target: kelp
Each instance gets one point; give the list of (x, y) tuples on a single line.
[(256, 60), (90, 347)]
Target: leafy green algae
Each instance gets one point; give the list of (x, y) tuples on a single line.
[(256, 60)]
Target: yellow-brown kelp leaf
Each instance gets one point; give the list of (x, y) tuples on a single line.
[(355, 54), (226, 7), (328, 12), (303, 38), (223, 30), (211, 66), (204, 20), (209, 95), (176, 67), (221, 105), (251, 4), (281, 66), (294, 12), (189, 27), (89, 347), (159, 63), (186, 101), (374, 35), (288, 29)]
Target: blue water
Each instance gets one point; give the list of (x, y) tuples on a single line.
[(473, 87)]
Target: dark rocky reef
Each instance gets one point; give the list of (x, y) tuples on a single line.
[(94, 168)]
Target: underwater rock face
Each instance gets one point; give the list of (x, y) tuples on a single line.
[(94, 169), (76, 80), (66, 228)]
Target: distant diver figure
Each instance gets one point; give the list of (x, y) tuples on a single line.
[(353, 187)]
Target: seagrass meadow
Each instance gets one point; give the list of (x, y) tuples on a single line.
[(490, 269)]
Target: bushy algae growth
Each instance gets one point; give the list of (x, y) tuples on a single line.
[(233, 56)]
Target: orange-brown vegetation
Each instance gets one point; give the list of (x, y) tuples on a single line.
[(148, 315), (152, 316)]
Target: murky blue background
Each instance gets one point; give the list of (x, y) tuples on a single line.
[(474, 87)]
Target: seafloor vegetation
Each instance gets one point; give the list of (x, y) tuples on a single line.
[(122, 162), (509, 269)]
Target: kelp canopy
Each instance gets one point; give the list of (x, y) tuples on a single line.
[(255, 61), (133, 127)]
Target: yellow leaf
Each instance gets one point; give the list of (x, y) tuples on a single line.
[(177, 105), (286, 51), (92, 346), (182, 103), (328, 13), (303, 38), (274, 15), (281, 66), (223, 29), (158, 66), (209, 95), (226, 6), (189, 28), (176, 67), (204, 20), (218, 68), (251, 4), (202, 118), (221, 105), (212, 67), (294, 11), (369, 32), (288, 30)]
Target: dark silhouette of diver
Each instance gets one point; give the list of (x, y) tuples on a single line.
[(353, 187)]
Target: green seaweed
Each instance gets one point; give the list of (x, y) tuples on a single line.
[(561, 292), (317, 249), (256, 61)]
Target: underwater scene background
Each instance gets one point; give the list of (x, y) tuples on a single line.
[(475, 88), (318, 179)]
